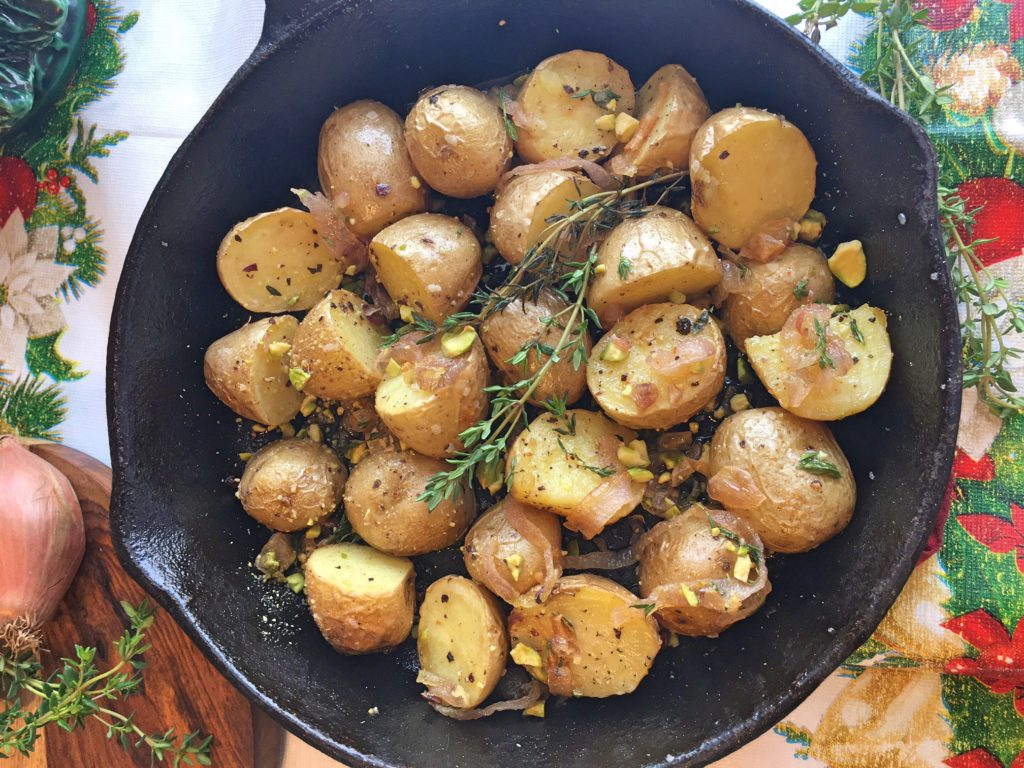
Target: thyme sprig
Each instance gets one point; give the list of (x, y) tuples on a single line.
[(78, 692)]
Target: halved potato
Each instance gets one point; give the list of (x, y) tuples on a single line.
[(657, 366), (462, 642), (337, 346), (248, 370), (361, 599), (277, 262), (524, 208), (587, 639), (428, 262), (671, 107), (836, 397), (563, 98), (649, 257), (749, 168)]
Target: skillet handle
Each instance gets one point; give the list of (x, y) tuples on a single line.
[(281, 16)]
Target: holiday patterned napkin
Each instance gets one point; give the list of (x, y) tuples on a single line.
[(942, 680)]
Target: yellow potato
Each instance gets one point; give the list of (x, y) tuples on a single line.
[(563, 99), (337, 346), (586, 639), (362, 600), (749, 168), (248, 370), (277, 262), (657, 366), (365, 169), (830, 399), (462, 643), (671, 107), (649, 257), (523, 209), (457, 140), (428, 262)]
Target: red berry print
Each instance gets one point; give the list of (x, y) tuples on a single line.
[(51, 174), (65, 181), (944, 15), (17, 188), (90, 18), (1001, 217)]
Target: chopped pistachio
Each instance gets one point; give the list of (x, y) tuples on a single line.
[(287, 430), (405, 312), (694, 427), (535, 710), (664, 477), (730, 546), (600, 269), (739, 403), (605, 123), (358, 453), (279, 348), (308, 405), (612, 105), (245, 456), (689, 594), (741, 570), (612, 353), (810, 227), (525, 656), (743, 371), (314, 433), (634, 454), (298, 378), (296, 582), (625, 127), (514, 563), (673, 640), (458, 343), (849, 264), (313, 531), (716, 531), (640, 475), (677, 297), (627, 390), (293, 300), (415, 182), (392, 369), (672, 511), (351, 269), (718, 413), (258, 428), (573, 547)]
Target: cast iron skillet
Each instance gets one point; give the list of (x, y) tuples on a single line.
[(180, 531)]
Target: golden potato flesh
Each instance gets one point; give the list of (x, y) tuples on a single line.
[(337, 346), (524, 208), (766, 293), (704, 570), (786, 476), (382, 504), (365, 169), (657, 366), (277, 262), (457, 140), (429, 263), (513, 548), (749, 168), (361, 599), (586, 639), (527, 321), (292, 484), (671, 107), (648, 258), (462, 643), (562, 100)]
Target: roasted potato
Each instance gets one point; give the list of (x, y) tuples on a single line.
[(766, 293), (361, 599), (365, 169), (382, 504), (433, 391), (671, 107), (586, 639), (657, 366), (570, 466), (457, 140), (292, 484), (462, 643), (749, 169), (703, 570), (648, 258), (562, 100), (784, 475), (277, 262), (789, 364), (513, 548), (337, 347), (429, 263), (248, 370), (524, 208), (522, 322)]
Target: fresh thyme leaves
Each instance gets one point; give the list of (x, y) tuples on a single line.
[(77, 691), (625, 267), (801, 291), (702, 320), (429, 327), (601, 98), (510, 127), (818, 14), (821, 345), (855, 330), (717, 529), (817, 463), (599, 471), (647, 608)]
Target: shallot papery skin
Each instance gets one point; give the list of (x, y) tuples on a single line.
[(42, 540)]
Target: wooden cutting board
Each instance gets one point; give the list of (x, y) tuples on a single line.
[(181, 689)]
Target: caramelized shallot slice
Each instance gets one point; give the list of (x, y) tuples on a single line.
[(735, 488)]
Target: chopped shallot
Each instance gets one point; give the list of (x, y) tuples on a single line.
[(735, 488)]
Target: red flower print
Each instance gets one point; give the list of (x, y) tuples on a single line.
[(944, 15), (17, 188), (90, 18), (998, 534), (1000, 218), (965, 467), (1016, 21), (981, 758), (1000, 664)]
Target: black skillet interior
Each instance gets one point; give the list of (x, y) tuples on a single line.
[(180, 531)]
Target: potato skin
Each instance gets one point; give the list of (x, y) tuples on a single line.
[(506, 332), (429, 262), (292, 484), (801, 510), (381, 504), (653, 334), (365, 169), (649, 257), (457, 140), (765, 297)]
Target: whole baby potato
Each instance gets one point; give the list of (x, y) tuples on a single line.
[(457, 140), (292, 484), (382, 504), (365, 169), (796, 488)]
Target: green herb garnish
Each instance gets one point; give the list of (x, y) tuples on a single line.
[(701, 321), (801, 291), (817, 463), (855, 330), (821, 346), (625, 267), (273, 291), (510, 127), (647, 608), (601, 98), (753, 552)]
